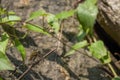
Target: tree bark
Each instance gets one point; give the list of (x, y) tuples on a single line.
[(109, 18)]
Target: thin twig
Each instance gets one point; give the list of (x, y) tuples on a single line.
[(61, 41), (59, 35), (113, 71), (75, 49), (66, 44), (21, 76)]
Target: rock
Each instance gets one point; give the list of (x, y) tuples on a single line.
[(109, 18)]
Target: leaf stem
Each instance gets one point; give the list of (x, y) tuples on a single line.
[(113, 71), (94, 39)]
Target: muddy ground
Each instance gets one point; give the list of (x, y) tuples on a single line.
[(53, 67)]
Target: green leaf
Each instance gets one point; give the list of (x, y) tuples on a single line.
[(65, 14), (36, 14), (20, 48), (1, 78), (11, 18), (4, 61), (4, 42), (116, 78), (53, 22), (2, 11), (81, 35), (99, 51), (76, 47), (87, 13), (5, 64), (93, 2), (35, 28), (106, 59), (11, 13)]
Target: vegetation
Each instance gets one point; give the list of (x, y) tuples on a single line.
[(86, 13)]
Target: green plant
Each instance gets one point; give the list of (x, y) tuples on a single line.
[(8, 20), (86, 13), (99, 51), (10, 33)]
